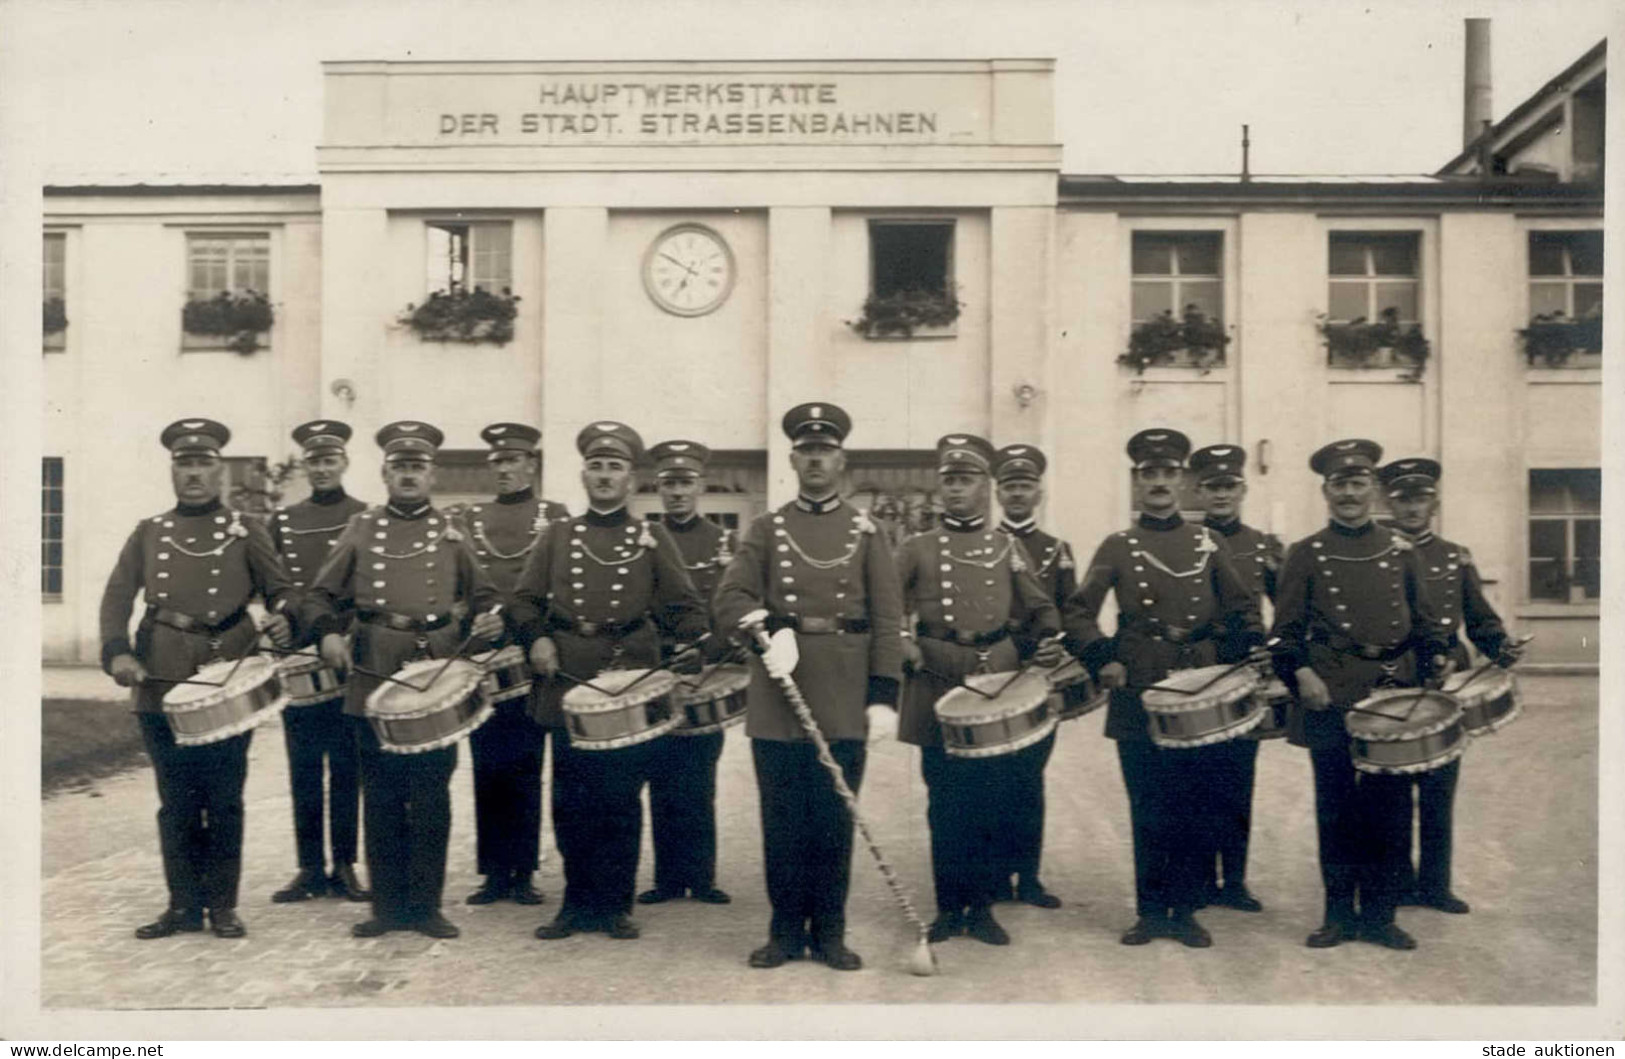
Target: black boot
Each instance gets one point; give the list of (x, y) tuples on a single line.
[(173, 921), (495, 888), (310, 882), (344, 883)]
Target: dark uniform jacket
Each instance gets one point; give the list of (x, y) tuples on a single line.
[(823, 569), (202, 564), (1052, 565), (706, 549), (1256, 555), (417, 571), (505, 530), (961, 585), (1181, 605), (305, 532), (1456, 590), (1351, 602), (605, 587)]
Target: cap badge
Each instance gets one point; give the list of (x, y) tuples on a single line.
[(606, 427), (816, 411), (1221, 452), (678, 446), (317, 428), (193, 424), (1344, 446), (497, 430), (407, 428), (1156, 437), (956, 441), (1019, 450)]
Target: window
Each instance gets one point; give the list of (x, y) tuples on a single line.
[(51, 527), (1565, 535), (233, 264), (56, 290), (1371, 273), (1176, 269), (1565, 278), (470, 257), (910, 256), (249, 484)]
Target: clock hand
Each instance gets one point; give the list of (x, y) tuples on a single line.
[(678, 263)]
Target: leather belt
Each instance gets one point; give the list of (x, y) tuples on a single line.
[(405, 622), (1370, 652), (935, 631), (615, 629), (186, 623), (816, 626), (1161, 630)]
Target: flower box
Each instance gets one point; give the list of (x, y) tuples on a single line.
[(1195, 340), (902, 313), (1552, 340), (464, 316), (1361, 344), (240, 322)]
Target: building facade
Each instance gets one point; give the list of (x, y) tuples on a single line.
[(695, 247)]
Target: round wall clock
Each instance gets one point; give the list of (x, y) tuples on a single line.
[(688, 270)]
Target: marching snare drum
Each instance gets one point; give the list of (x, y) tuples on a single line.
[(507, 674), (713, 701), (1400, 731), (1273, 699), (308, 680), (199, 715), (1070, 680), (628, 707), (974, 725), (1488, 701), (427, 716), (1181, 716)]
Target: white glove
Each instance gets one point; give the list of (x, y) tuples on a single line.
[(781, 655), (882, 723)]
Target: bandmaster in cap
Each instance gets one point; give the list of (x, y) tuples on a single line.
[(409, 437), (510, 437), (964, 454), (1159, 447), (679, 459), (1346, 457), (322, 436), (609, 438), (1410, 477), (1219, 463), (817, 422), (1020, 462), (185, 436)]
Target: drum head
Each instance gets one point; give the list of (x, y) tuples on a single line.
[(584, 699), (500, 658), (253, 672), (1472, 689), (1217, 687), (305, 661), (714, 682), (391, 700), (964, 706), (1402, 713)]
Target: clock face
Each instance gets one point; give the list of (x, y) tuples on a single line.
[(688, 270)]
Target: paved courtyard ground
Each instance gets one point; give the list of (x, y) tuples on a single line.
[(1526, 860)]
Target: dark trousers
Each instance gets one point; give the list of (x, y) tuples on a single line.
[(508, 751), (1022, 832), (1362, 821), (598, 823), (408, 823), (683, 811), (806, 837), (968, 843), (200, 814), (318, 736), (1435, 812), (1170, 834), (1228, 799)]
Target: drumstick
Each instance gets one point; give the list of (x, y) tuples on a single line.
[(946, 679), (586, 683), (924, 961), (172, 680), (455, 654), (667, 666), (1377, 713)]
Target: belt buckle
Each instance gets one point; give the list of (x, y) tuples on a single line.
[(214, 646), (1175, 633), (588, 628), (982, 654), (1373, 653), (818, 626)]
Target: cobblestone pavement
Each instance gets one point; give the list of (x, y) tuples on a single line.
[(1525, 858)]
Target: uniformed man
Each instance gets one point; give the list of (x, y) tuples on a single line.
[(1020, 473), (597, 593), (509, 748), (317, 735), (826, 580), (969, 586), (683, 775), (1456, 589), (1221, 485), (1352, 614), (198, 566), (1181, 605), (409, 575)]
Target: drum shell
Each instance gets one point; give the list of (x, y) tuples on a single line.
[(994, 729), (507, 675), (625, 726), (429, 727), (1492, 702), (220, 717), (308, 681), (1430, 742), (1217, 715), (1272, 699), (715, 702)]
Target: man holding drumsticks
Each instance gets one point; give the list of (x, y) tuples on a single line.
[(1181, 605), (198, 565), (1353, 615), (408, 573)]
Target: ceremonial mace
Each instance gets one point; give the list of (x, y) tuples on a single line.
[(924, 962)]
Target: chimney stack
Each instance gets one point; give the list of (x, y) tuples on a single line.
[(1476, 82)]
